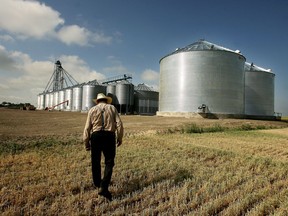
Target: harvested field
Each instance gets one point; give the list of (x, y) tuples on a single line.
[(166, 166)]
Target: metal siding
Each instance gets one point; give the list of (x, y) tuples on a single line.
[(111, 89), (87, 96), (77, 98), (69, 97), (56, 99), (42, 102), (146, 102), (213, 78), (259, 93), (61, 99), (51, 101), (47, 100), (89, 93), (125, 94)]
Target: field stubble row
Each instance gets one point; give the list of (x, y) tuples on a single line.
[(156, 173)]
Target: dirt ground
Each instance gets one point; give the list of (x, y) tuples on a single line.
[(31, 123)]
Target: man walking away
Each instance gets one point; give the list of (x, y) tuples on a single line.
[(102, 125)]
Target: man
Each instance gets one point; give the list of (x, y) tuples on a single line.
[(99, 136)]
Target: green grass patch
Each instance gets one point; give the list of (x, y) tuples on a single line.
[(17, 146)]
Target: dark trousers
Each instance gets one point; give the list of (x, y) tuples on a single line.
[(102, 142)]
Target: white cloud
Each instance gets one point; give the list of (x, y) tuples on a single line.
[(7, 38), (28, 18), (32, 19), (150, 75), (74, 35)]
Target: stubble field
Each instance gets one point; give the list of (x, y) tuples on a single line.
[(166, 166)]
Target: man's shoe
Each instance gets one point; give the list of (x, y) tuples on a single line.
[(105, 193)]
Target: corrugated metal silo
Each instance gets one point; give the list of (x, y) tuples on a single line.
[(111, 91), (202, 77), (38, 101), (61, 99), (47, 100), (90, 92), (56, 99), (145, 100), (69, 97), (51, 100), (125, 96), (42, 101), (259, 91), (77, 98)]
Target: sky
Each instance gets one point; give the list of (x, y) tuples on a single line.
[(100, 39)]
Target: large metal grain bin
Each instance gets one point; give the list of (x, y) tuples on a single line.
[(202, 78), (145, 100), (77, 98), (90, 92), (69, 98), (125, 97), (259, 91)]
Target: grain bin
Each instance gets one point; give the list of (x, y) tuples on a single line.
[(77, 98), (61, 99), (145, 100), (90, 92), (69, 98), (259, 91), (111, 91), (56, 100), (51, 100), (47, 100), (202, 77), (125, 97), (41, 101)]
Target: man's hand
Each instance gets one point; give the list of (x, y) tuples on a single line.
[(119, 143), (88, 146)]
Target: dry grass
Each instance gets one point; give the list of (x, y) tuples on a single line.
[(159, 169)]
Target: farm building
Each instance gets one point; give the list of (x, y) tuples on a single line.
[(66, 94), (200, 80), (204, 79)]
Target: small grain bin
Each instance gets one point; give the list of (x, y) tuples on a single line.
[(77, 98), (259, 91), (51, 101), (61, 99), (90, 91), (111, 92), (41, 101), (69, 98), (56, 100), (125, 97)]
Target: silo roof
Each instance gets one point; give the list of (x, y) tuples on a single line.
[(253, 67), (143, 87), (202, 45)]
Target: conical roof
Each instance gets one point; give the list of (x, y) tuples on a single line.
[(202, 45), (143, 87), (253, 67)]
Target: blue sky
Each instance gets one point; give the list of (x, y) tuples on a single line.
[(98, 39)]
